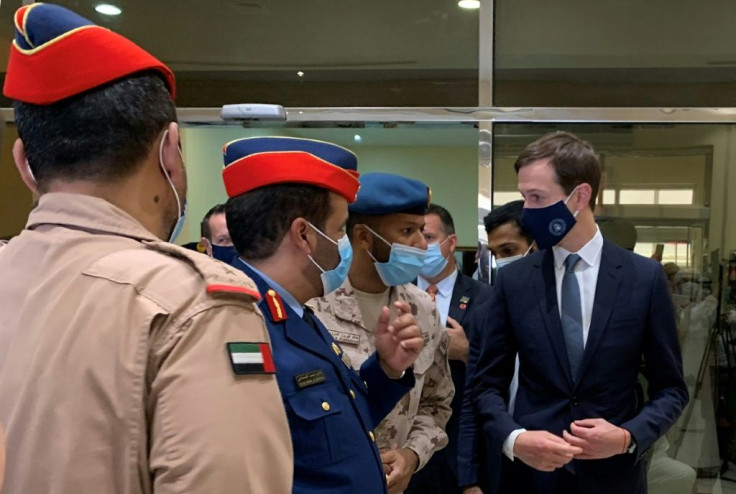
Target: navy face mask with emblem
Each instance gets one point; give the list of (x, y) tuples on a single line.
[(550, 224), (223, 253)]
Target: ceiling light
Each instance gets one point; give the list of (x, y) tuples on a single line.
[(469, 4), (107, 9), (300, 74), (357, 138)]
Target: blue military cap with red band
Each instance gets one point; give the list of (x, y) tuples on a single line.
[(57, 54), (256, 162)]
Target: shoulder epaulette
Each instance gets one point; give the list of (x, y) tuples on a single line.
[(220, 278), (276, 307)]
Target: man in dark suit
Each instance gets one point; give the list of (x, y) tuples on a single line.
[(478, 468), (582, 313), (457, 297)]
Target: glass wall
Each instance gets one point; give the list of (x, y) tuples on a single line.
[(443, 155), (302, 53), (625, 53)]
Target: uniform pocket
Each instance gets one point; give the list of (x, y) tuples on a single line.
[(315, 403), (424, 361), (319, 415)]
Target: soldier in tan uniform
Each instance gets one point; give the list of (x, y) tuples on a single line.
[(385, 230), (128, 365)]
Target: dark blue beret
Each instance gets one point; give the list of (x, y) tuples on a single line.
[(386, 193)]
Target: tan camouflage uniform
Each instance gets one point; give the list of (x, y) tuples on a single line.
[(418, 420)]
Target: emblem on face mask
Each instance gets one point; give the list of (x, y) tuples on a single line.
[(550, 224), (557, 227)]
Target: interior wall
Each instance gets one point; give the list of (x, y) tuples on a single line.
[(720, 138), (643, 167), (450, 169), (15, 198)]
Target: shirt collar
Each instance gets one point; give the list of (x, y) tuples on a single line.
[(444, 286), (287, 297), (590, 253), (87, 213)]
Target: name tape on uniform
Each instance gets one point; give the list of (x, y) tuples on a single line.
[(310, 378), (350, 338)]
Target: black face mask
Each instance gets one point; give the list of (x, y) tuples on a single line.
[(550, 224), (224, 254)]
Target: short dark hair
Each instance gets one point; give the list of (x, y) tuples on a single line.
[(448, 226), (573, 159), (205, 226), (259, 219), (508, 213), (101, 135)]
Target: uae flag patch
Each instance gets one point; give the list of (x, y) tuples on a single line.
[(251, 358)]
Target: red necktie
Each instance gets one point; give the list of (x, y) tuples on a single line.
[(432, 291)]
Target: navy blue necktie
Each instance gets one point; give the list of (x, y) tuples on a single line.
[(572, 315), (311, 319)]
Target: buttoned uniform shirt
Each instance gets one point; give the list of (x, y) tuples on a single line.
[(114, 373), (444, 293), (586, 272), (418, 421), (332, 408)]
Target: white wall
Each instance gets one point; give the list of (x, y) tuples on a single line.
[(445, 158)]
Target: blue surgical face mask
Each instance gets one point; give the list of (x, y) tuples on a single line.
[(182, 210), (550, 224), (434, 262), (333, 279), (508, 260), (223, 253), (404, 263)]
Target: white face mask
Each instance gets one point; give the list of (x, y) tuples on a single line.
[(182, 211), (332, 279), (508, 260), (434, 262)]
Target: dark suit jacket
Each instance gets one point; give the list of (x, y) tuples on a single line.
[(476, 463), (467, 296), (632, 318), (334, 446), (440, 474)]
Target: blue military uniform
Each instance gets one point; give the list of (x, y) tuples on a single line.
[(332, 409)]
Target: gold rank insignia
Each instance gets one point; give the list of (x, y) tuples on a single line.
[(275, 306), (336, 348)]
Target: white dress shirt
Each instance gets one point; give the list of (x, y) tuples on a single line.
[(444, 293), (586, 271)]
